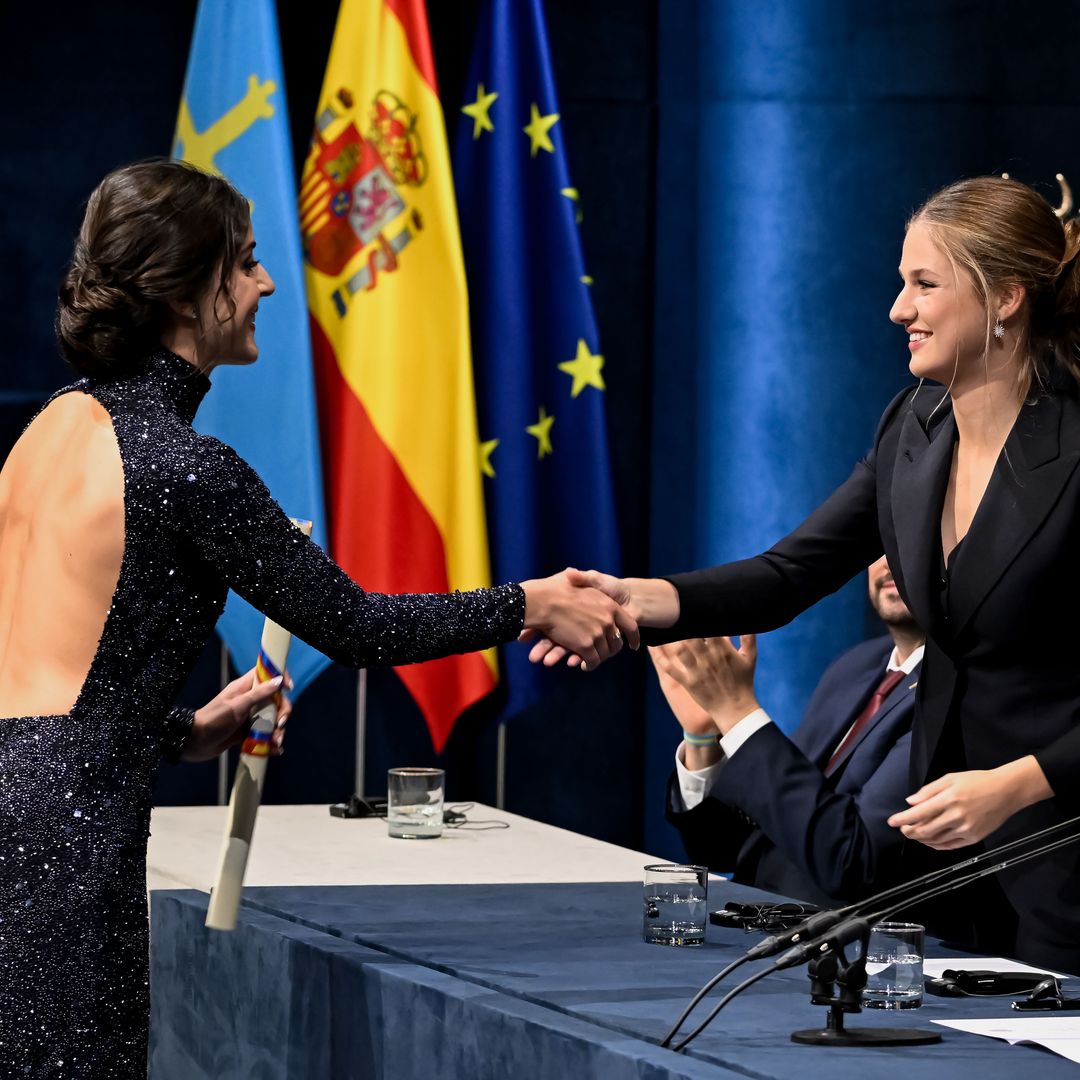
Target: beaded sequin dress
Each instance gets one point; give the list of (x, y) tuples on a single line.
[(75, 790)]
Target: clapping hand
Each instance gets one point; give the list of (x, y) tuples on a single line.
[(224, 721), (716, 676), (693, 719)]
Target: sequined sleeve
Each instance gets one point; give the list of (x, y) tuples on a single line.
[(226, 511)]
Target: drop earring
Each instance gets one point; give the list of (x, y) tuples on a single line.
[(999, 329)]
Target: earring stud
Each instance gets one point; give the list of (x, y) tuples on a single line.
[(999, 329)]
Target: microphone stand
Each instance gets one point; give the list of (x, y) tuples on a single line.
[(821, 940), (830, 968)]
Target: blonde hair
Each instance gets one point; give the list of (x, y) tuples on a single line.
[(1002, 233)]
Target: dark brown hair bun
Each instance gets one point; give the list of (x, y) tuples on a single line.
[(154, 232)]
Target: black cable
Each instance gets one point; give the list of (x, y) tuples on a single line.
[(723, 974), (720, 1004), (456, 817)]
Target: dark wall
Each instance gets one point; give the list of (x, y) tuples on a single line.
[(86, 88)]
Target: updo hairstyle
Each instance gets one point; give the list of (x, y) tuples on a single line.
[(1000, 233), (153, 232)]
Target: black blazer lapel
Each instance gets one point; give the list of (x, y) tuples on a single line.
[(1024, 487), (920, 477)]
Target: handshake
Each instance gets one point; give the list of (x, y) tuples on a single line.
[(584, 616)]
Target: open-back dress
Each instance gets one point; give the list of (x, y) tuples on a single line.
[(75, 789)]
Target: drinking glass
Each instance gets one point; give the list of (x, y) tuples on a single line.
[(894, 960), (414, 803), (674, 897)]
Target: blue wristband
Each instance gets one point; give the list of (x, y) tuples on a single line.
[(699, 740)]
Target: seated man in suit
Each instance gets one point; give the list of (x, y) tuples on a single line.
[(805, 816)]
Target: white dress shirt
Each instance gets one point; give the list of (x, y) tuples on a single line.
[(695, 784)]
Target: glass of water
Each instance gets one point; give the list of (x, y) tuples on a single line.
[(674, 897), (414, 802), (894, 961)]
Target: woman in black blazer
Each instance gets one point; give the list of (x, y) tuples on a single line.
[(972, 491)]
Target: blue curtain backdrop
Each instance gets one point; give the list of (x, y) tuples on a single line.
[(794, 139), (760, 174)]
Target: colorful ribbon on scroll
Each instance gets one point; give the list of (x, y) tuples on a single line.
[(250, 772)]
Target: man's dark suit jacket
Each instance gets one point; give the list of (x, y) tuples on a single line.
[(1001, 674), (781, 824)]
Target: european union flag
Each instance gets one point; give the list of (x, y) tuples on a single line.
[(233, 120), (539, 370)]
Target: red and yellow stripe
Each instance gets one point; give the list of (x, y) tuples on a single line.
[(392, 353)]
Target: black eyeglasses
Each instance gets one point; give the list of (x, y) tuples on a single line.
[(762, 916)]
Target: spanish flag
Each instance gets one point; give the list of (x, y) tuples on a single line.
[(390, 334)]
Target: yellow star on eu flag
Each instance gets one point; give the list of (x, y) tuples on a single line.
[(541, 432), (486, 450), (537, 129), (585, 369), (571, 193), (478, 110)]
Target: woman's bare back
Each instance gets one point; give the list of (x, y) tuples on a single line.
[(61, 545)]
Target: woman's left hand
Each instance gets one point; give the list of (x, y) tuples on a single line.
[(963, 808), (224, 721)]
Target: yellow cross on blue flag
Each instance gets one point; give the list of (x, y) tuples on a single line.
[(538, 366), (233, 120)]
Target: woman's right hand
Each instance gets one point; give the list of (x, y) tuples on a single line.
[(648, 601), (586, 623)]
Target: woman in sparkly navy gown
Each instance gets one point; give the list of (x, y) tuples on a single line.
[(121, 530)]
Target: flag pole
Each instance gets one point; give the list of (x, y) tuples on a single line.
[(223, 759), (500, 766), (361, 729)]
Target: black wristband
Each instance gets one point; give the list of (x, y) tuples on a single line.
[(177, 728)]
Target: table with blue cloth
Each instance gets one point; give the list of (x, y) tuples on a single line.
[(522, 981)]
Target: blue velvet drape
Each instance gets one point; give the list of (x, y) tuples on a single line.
[(794, 139)]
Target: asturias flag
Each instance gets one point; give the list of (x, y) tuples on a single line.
[(539, 369), (233, 120), (390, 333)]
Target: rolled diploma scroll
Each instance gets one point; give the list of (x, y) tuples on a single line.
[(250, 770)]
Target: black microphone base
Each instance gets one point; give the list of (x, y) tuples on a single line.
[(866, 1037), (835, 1034)]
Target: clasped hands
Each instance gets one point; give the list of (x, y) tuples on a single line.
[(585, 617)]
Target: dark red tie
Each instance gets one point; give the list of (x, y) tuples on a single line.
[(884, 689)]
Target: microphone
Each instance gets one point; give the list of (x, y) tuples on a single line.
[(818, 924), (848, 930), (831, 930)]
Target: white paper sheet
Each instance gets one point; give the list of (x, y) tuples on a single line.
[(1059, 1034), (934, 966)]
